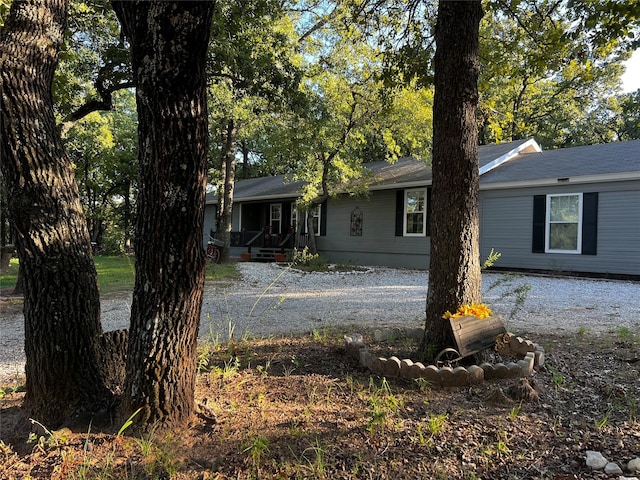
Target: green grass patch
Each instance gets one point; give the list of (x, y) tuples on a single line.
[(221, 272), (117, 274), (9, 275)]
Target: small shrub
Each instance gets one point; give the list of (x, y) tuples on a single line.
[(309, 262), (518, 292), (303, 257)]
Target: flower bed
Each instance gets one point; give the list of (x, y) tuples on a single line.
[(512, 345)]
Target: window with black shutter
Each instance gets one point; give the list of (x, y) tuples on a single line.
[(565, 223)]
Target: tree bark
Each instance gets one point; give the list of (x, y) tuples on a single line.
[(245, 160), (228, 182), (19, 288), (126, 217), (169, 44), (454, 270), (61, 300), (311, 235), (5, 237)]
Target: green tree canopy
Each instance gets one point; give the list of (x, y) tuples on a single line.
[(103, 148), (540, 77)]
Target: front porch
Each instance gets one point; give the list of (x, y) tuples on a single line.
[(264, 245), (264, 230)]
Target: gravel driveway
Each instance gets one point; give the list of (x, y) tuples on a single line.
[(271, 300)]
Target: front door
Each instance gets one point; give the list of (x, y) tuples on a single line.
[(275, 218)]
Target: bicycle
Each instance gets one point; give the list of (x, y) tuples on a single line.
[(214, 249)]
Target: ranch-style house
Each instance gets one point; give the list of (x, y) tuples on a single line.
[(571, 210)]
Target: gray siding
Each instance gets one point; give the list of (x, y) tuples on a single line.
[(210, 219), (235, 217), (506, 225), (209, 222), (506, 219), (378, 244)]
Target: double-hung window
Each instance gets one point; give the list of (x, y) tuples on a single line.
[(564, 223), (316, 214), (415, 212)]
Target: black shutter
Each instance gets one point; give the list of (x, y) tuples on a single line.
[(589, 223), (399, 213), (428, 211), (539, 220), (323, 219)]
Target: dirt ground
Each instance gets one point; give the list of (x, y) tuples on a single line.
[(298, 407)]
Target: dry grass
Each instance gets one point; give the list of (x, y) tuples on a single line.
[(297, 407)]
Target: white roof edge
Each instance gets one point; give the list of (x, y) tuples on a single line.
[(608, 177), (256, 198), (529, 146)]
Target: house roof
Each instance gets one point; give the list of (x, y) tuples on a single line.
[(606, 161), (267, 187), (518, 163), (408, 171)]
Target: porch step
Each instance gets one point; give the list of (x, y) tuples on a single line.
[(267, 254)]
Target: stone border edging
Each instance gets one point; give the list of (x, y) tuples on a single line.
[(507, 344)]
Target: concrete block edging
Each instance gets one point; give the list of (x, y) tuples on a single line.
[(532, 355)]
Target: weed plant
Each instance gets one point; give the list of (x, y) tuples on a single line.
[(556, 376), (256, 448), (516, 291), (383, 406), (315, 456)]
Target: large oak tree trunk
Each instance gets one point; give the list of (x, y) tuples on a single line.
[(311, 235), (245, 160), (225, 197), (169, 44), (61, 300), (454, 270)]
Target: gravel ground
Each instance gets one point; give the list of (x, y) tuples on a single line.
[(271, 300)]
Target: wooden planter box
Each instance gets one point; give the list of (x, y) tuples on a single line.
[(473, 334), (281, 257), (245, 257)]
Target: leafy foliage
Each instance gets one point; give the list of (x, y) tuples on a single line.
[(103, 148), (542, 77), (94, 62), (315, 89)]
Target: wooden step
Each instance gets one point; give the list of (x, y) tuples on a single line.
[(267, 254)]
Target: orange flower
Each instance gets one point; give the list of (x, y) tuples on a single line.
[(479, 310)]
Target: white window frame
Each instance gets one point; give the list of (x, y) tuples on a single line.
[(548, 223), (272, 218), (316, 212), (406, 212)]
